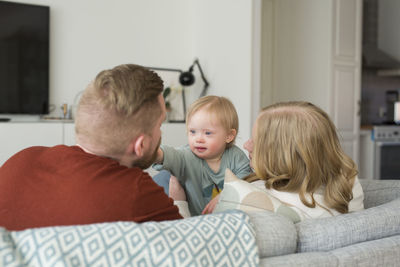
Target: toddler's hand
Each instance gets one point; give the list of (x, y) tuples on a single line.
[(176, 191), (160, 156), (211, 205)]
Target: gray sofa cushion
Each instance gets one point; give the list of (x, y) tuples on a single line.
[(335, 232), (319, 259), (381, 252), (378, 192), (275, 234)]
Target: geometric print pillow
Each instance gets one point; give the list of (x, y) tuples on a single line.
[(242, 195), (223, 239)]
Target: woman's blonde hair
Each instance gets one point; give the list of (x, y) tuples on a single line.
[(296, 149), (221, 108), (118, 105)]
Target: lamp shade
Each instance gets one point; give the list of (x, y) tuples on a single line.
[(186, 78)]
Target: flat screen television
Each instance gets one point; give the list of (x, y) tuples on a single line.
[(24, 58)]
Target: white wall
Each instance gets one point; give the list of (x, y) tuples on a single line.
[(223, 41), (91, 35), (301, 51)]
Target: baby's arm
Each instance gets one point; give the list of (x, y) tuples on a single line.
[(210, 206), (242, 166), (171, 159), (177, 193), (160, 156)]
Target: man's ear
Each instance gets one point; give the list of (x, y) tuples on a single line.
[(136, 146), (231, 135)]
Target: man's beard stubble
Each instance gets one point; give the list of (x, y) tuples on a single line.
[(147, 160)]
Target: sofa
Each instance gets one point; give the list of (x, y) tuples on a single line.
[(223, 239), (365, 238), (230, 238)]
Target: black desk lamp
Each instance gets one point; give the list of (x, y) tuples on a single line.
[(186, 78)]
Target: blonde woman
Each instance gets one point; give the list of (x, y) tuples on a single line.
[(297, 158)]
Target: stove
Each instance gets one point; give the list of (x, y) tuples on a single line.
[(386, 132), (386, 152)]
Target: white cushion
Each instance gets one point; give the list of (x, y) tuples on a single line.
[(239, 194)]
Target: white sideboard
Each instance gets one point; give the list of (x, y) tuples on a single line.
[(15, 136), (173, 134)]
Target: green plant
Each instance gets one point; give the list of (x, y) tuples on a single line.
[(166, 92)]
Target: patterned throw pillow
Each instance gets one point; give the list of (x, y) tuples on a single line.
[(239, 194), (224, 239)]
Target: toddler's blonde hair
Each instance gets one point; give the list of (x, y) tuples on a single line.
[(221, 109), (296, 149)]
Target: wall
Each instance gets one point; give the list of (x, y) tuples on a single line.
[(91, 35), (88, 36), (300, 51), (223, 41)]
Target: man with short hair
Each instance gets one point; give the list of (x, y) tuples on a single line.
[(101, 179)]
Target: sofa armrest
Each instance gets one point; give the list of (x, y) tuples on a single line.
[(343, 230), (378, 192)]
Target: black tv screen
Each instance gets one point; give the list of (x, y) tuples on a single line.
[(24, 58)]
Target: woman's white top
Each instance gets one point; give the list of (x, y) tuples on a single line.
[(293, 199)]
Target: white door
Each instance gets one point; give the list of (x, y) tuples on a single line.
[(311, 51), (346, 75)]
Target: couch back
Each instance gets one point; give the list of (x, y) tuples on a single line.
[(277, 235), (216, 239), (378, 192)]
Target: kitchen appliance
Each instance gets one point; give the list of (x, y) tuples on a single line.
[(397, 112), (386, 164), (392, 97)]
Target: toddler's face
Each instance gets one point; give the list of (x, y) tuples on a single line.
[(207, 138)]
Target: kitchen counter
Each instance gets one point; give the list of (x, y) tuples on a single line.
[(366, 127)]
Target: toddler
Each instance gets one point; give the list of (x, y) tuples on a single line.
[(212, 126)]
